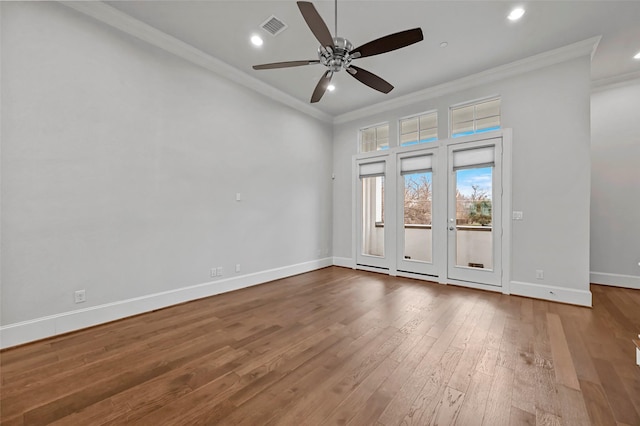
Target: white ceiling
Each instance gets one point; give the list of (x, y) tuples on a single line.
[(478, 34)]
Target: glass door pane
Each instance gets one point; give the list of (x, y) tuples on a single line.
[(373, 216), (474, 217), (418, 201)]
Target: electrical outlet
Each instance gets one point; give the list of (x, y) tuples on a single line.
[(219, 271), (517, 215), (539, 274), (213, 273), (80, 296), (237, 267)]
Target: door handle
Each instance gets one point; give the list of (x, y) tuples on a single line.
[(451, 228)]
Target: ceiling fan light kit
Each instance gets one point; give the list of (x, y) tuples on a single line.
[(336, 53)]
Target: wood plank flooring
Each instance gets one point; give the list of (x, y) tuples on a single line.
[(339, 347)]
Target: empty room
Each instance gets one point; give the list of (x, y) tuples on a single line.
[(341, 212)]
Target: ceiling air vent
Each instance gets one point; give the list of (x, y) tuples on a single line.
[(273, 26)]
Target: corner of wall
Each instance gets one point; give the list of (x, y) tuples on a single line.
[(345, 262)]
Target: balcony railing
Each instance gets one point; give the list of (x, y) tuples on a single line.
[(474, 244)]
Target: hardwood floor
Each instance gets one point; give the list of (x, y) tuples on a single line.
[(344, 347)]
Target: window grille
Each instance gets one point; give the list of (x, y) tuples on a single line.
[(374, 138), (478, 117), (419, 129)]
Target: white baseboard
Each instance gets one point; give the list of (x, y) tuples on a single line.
[(616, 280), (41, 328), (553, 293), (517, 288), (345, 262)]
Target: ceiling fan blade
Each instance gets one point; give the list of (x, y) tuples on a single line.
[(321, 86), (316, 23), (370, 79), (389, 42), (285, 64)]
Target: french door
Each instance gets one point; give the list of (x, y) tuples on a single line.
[(416, 198), (434, 212), (371, 244), (474, 220)]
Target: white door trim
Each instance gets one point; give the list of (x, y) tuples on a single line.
[(440, 232)]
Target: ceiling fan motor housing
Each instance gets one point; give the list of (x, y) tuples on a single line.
[(336, 57)]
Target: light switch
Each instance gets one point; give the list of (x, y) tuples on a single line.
[(517, 215), (238, 196)]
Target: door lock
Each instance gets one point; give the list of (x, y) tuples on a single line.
[(451, 228)]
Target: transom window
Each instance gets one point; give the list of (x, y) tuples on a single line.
[(477, 117), (374, 138), (419, 129)]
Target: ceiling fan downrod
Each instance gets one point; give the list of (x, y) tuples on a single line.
[(335, 10)]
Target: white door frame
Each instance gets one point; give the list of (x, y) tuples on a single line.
[(439, 232), (505, 237)]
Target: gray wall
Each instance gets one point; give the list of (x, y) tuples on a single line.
[(121, 162), (615, 179), (548, 110)]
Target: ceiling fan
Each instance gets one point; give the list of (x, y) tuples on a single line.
[(336, 53)]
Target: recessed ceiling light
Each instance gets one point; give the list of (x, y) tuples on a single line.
[(256, 40), (637, 56), (444, 44), (331, 87), (516, 14)]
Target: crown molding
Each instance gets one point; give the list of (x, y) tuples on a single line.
[(117, 19), (616, 81), (532, 63)]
